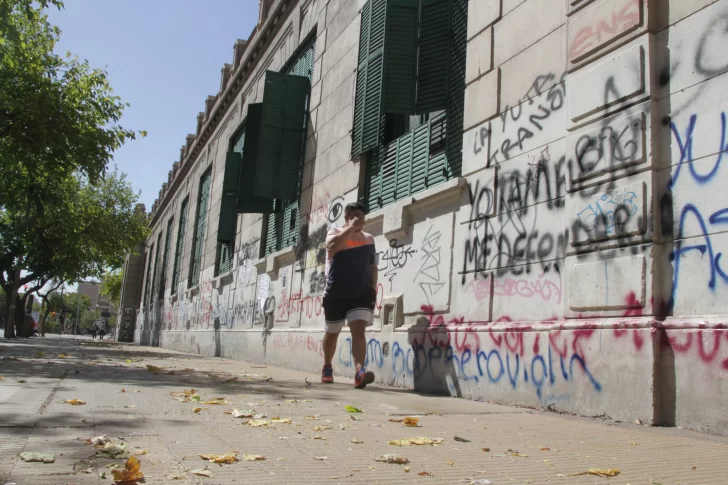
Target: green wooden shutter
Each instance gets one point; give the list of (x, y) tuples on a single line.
[(228, 212), (456, 88), (248, 202), (228, 203), (369, 79), (281, 135), (434, 55), (200, 226), (165, 258), (179, 252), (400, 54)]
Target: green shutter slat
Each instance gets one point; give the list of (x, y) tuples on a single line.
[(200, 226), (420, 159), (225, 262), (400, 56), (434, 55), (281, 136), (248, 202)]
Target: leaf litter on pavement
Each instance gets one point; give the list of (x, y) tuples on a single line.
[(227, 458), (417, 440), (604, 473), (131, 472), (390, 458)]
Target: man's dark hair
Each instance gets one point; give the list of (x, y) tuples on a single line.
[(354, 206)]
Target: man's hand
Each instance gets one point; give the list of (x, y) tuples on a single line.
[(356, 223)]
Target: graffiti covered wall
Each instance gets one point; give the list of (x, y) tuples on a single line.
[(576, 263)]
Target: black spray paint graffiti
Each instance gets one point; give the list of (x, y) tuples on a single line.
[(428, 276), (547, 102), (394, 258)]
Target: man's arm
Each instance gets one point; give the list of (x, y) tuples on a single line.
[(338, 241), (375, 276)]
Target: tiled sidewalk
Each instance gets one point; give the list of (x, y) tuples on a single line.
[(525, 446)]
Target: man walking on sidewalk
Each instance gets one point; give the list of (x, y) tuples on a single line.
[(351, 282)]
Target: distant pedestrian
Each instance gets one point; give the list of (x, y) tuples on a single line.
[(93, 333), (350, 295)]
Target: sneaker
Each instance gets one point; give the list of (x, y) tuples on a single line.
[(362, 378), (327, 374)]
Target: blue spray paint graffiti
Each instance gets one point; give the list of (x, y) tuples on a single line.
[(686, 150), (487, 366), (704, 243)]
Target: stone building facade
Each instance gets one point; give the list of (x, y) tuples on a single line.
[(543, 182)]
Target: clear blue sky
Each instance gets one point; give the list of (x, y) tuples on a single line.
[(164, 58)]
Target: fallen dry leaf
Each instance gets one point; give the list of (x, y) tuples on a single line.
[(633, 443), (418, 440), (141, 452), (450, 463), (407, 469), (176, 477), (131, 472), (461, 440), (123, 390), (196, 410), (545, 449), (604, 473), (248, 457), (203, 472), (99, 440), (277, 420), (111, 450), (356, 442), (37, 457), (352, 417), (256, 423), (228, 458), (317, 437), (315, 417), (216, 400), (410, 421), (63, 355), (397, 459), (425, 474), (154, 368), (72, 402), (486, 449), (248, 413), (320, 458), (396, 420), (321, 428)]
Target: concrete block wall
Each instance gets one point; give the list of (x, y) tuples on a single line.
[(575, 264)]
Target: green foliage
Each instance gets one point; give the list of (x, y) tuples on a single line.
[(78, 231), (57, 115), (88, 318), (111, 286)]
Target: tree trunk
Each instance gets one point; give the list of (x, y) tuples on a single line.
[(20, 330), (10, 324), (44, 311)]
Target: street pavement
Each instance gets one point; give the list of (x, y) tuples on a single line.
[(324, 443)]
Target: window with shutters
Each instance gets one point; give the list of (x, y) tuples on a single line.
[(227, 225), (203, 198), (179, 250), (165, 258), (409, 101), (282, 225), (148, 285), (155, 279)]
